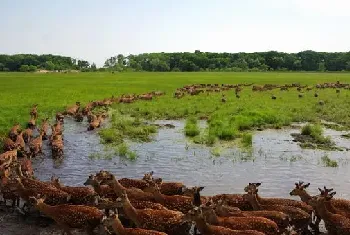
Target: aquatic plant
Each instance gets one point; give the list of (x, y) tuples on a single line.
[(247, 140), (327, 162), (191, 127)]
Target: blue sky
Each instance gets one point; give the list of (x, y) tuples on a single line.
[(97, 29)]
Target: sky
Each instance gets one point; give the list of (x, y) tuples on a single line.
[(95, 30)]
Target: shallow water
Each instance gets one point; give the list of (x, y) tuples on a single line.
[(275, 160)]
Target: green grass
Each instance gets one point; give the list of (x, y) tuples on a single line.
[(53, 92), (316, 132), (327, 162), (247, 140), (191, 127)]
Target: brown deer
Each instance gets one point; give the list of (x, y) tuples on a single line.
[(95, 123), (59, 117), (79, 195), (125, 182), (329, 204), (299, 218), (175, 202), (280, 201), (20, 143), (101, 190), (133, 193), (118, 228), (170, 222), (207, 229), (9, 156), (26, 166), (8, 144), (240, 223), (45, 127), (27, 135), (34, 111), (36, 145), (31, 123), (336, 224), (73, 109), (15, 130), (280, 218), (70, 216), (170, 188), (300, 190), (57, 146), (7, 188)]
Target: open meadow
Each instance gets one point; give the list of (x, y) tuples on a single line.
[(53, 92)]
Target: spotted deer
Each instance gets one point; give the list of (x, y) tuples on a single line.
[(73, 109), (36, 145), (208, 229), (79, 195), (280, 201), (34, 111), (168, 221), (118, 228), (240, 223), (70, 216), (298, 218), (15, 130), (45, 127), (336, 224)]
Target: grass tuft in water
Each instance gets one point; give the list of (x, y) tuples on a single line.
[(327, 162), (123, 150), (215, 151), (247, 140), (109, 136), (191, 127)]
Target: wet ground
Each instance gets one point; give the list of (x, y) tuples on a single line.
[(275, 160)]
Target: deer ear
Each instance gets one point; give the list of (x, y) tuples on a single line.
[(201, 188), (306, 185)]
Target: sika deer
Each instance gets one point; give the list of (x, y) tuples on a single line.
[(34, 111), (8, 144), (336, 224), (118, 228), (300, 190), (45, 127), (20, 143), (15, 130), (27, 135), (299, 218), (36, 145), (73, 109), (175, 202), (79, 195), (170, 188), (26, 166), (280, 218), (57, 146), (240, 223), (329, 205), (95, 123), (32, 122), (125, 182), (59, 117), (101, 190), (280, 201), (133, 193), (7, 188), (170, 222), (8, 157), (71, 216), (207, 229), (337, 203)]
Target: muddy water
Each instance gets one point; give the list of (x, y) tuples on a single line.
[(275, 160)]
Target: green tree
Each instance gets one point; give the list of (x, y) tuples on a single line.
[(49, 65), (24, 68), (2, 66), (32, 68), (321, 66), (93, 67)]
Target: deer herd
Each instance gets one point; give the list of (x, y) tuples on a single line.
[(196, 89), (150, 205)]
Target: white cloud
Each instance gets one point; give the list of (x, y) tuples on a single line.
[(323, 7)]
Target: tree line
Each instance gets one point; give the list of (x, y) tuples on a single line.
[(208, 61), (186, 62), (32, 63)]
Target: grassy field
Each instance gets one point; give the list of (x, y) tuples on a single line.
[(53, 92)]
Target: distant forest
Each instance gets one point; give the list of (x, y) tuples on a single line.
[(187, 62)]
